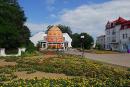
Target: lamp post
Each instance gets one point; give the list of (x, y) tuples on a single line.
[(82, 45)]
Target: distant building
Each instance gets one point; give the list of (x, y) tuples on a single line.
[(54, 39), (101, 41), (117, 35)]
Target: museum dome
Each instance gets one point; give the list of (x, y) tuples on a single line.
[(55, 35)]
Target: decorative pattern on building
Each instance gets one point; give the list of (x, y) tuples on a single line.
[(55, 38)]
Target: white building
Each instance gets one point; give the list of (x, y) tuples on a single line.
[(37, 37), (41, 36), (67, 39), (101, 40), (118, 35)]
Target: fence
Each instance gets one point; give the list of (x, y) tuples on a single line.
[(20, 50)]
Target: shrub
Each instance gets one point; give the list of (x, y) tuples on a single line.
[(30, 47), (11, 51), (98, 46)]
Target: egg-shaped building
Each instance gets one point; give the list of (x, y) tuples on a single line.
[(55, 38)]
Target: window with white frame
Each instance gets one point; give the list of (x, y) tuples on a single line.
[(108, 32), (124, 36)]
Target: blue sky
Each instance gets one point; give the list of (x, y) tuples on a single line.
[(46, 11), (88, 16)]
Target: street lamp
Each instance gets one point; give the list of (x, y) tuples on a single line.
[(82, 45)]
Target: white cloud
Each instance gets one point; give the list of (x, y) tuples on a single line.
[(50, 8), (50, 2), (92, 18), (34, 28), (53, 16), (89, 18)]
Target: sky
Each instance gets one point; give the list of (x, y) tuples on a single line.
[(88, 16)]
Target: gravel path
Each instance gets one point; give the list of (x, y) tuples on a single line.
[(3, 63), (40, 75), (122, 59)]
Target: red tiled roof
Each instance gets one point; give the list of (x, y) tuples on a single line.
[(120, 20), (125, 25)]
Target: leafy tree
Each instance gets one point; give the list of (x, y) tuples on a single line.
[(98, 46), (49, 27), (76, 40), (13, 32), (87, 41), (63, 28)]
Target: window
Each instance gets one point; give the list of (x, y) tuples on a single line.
[(113, 32), (113, 39), (112, 24), (124, 36), (108, 46), (108, 32), (108, 38), (125, 46)]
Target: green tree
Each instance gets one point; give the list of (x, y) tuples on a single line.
[(13, 32), (63, 28), (87, 41), (98, 46), (76, 40)]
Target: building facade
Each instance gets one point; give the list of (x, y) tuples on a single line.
[(101, 41), (117, 35), (54, 39)]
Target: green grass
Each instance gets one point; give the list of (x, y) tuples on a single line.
[(103, 52), (98, 51)]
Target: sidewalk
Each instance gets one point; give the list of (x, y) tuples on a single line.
[(122, 59)]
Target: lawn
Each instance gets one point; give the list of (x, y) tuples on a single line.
[(73, 71), (104, 52), (94, 51)]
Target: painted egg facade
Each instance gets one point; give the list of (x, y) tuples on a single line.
[(55, 37)]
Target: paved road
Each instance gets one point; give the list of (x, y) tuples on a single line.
[(118, 59)]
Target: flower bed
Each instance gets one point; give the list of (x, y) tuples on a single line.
[(91, 73), (75, 82)]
